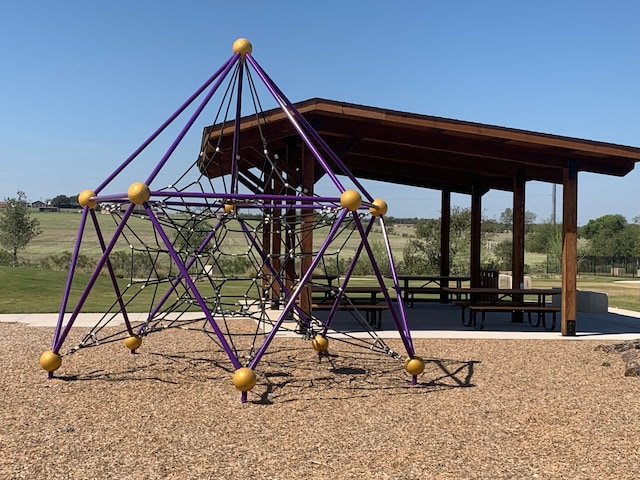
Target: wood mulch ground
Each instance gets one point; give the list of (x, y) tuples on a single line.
[(483, 409)]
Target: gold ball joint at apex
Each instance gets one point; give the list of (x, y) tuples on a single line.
[(379, 207), (244, 379), (242, 46), (138, 193), (351, 200), (84, 199), (133, 342), (229, 208), (320, 343), (414, 365), (50, 361)]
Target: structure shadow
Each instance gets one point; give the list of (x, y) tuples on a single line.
[(357, 376), (454, 373), (433, 316)]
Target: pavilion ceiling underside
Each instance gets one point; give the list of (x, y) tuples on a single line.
[(477, 154), (392, 149)]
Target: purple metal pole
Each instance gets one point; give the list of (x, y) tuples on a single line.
[(265, 78), (303, 281), (236, 130), (229, 196), (401, 324), (260, 206), (345, 281), (274, 91), (72, 269), (160, 129), (394, 276), (185, 274), (174, 282), (112, 274), (251, 200), (94, 277), (188, 125)]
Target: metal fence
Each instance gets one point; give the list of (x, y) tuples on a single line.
[(628, 267)]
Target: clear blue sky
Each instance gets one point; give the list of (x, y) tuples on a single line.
[(82, 84)]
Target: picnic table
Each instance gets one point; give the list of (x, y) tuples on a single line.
[(355, 298), (413, 285), (514, 300), (324, 278)]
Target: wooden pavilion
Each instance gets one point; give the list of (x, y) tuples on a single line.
[(448, 155)]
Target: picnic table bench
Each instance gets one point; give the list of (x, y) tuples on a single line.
[(483, 300)]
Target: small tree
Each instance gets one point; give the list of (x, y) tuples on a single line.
[(17, 228), (422, 254), (503, 252), (506, 219)]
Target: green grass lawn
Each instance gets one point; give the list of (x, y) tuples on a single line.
[(621, 294), (36, 290), (60, 230)]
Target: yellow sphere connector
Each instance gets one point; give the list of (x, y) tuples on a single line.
[(133, 342), (351, 200), (138, 193), (242, 46), (50, 361), (229, 208), (84, 199), (379, 207), (320, 343), (244, 379), (414, 365)]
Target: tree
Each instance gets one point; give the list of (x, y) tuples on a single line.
[(506, 219), (503, 252), (609, 224), (63, 201), (543, 237), (17, 228), (422, 254), (611, 236)]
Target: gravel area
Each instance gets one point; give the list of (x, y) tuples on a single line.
[(483, 409)]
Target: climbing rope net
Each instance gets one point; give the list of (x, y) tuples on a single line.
[(233, 247)]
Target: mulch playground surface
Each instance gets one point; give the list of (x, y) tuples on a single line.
[(483, 409)]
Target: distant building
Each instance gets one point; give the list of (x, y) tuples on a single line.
[(44, 207)]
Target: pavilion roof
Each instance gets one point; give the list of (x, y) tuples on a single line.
[(423, 150)]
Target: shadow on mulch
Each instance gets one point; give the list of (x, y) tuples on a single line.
[(293, 373)]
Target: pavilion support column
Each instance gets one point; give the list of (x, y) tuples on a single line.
[(517, 257), (569, 250), (445, 241), (518, 232), (476, 231)]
